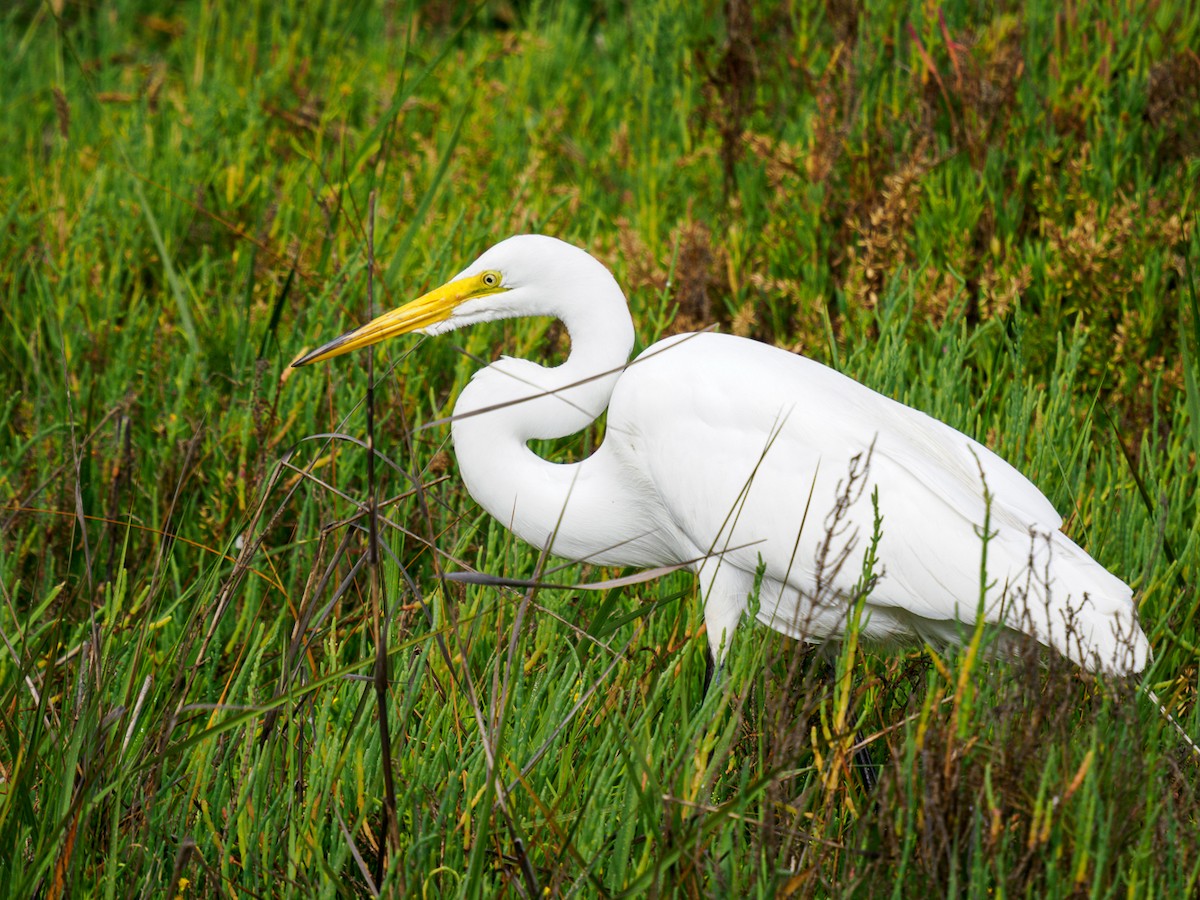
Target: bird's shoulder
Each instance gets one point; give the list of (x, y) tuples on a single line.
[(728, 379), (725, 391)]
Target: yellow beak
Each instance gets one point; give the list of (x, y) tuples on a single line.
[(429, 309)]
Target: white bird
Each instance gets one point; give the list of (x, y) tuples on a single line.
[(732, 456)]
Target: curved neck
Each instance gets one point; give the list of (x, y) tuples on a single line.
[(513, 401)]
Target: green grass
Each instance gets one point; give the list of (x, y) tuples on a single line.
[(988, 214)]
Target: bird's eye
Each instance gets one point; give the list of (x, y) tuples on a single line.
[(491, 279)]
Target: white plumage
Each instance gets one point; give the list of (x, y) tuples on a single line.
[(733, 450)]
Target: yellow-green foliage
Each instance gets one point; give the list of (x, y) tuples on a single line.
[(985, 210)]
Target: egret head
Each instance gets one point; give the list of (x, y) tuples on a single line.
[(516, 277)]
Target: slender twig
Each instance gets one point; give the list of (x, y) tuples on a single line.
[(1187, 738), (378, 601), (358, 860)]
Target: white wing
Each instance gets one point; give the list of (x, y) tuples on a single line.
[(735, 436)]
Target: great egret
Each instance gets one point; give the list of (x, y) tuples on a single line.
[(732, 456)]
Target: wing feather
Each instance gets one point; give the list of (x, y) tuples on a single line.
[(746, 444)]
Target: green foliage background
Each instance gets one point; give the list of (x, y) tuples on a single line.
[(987, 211)]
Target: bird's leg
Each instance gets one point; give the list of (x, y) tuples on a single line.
[(863, 763), (713, 672), (721, 615)]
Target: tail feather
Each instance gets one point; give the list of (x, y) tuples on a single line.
[(1069, 601)]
